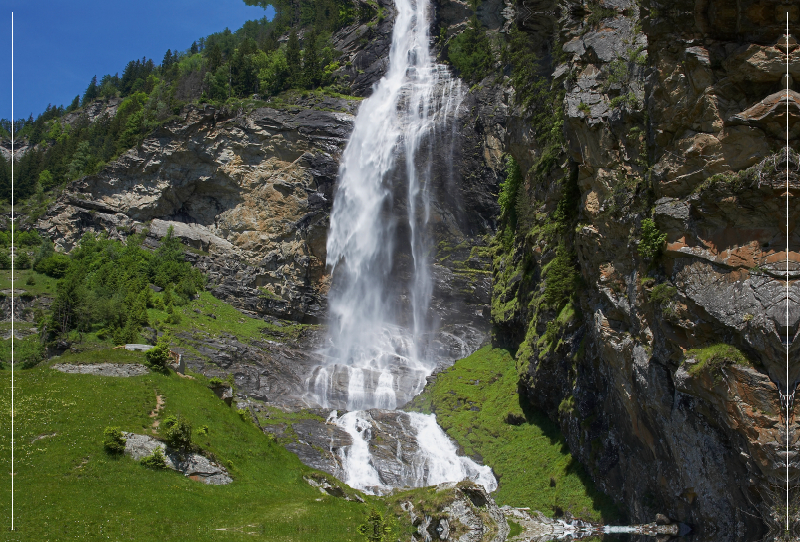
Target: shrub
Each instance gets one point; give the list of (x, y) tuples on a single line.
[(158, 357), (55, 265), (374, 529), (652, 240), (156, 461), (215, 382), (29, 352), (177, 432), (470, 52), (113, 441), (662, 293), (5, 260), (22, 261)]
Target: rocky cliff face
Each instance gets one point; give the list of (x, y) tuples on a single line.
[(250, 191), (672, 113), (667, 119)]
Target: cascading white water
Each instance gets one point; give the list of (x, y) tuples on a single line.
[(376, 345), (430, 459), (375, 350)]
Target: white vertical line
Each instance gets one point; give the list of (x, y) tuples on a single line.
[(788, 404), (12, 271)]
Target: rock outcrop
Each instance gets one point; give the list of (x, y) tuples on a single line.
[(463, 512), (671, 114), (192, 465)]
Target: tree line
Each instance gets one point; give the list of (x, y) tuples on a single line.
[(222, 66)]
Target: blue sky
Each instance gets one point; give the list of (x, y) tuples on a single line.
[(60, 44)]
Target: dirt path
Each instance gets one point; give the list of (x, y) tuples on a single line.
[(154, 413)]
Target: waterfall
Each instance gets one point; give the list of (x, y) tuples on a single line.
[(377, 337), (379, 323)]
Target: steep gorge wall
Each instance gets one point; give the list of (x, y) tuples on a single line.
[(669, 114), (648, 112)]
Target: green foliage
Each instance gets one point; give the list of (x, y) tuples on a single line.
[(562, 279), (177, 432), (113, 441), (628, 100), (663, 293), (215, 382), (584, 108), (470, 52), (103, 288), (157, 461), (509, 189), (713, 358), (55, 265), (652, 241), (478, 403), (158, 357), (374, 529), (22, 260), (598, 12), (515, 529)]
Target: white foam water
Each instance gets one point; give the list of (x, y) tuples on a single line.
[(432, 458), (382, 361), (376, 343)]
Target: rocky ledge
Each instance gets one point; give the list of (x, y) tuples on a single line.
[(192, 465)]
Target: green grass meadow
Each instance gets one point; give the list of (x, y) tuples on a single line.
[(68, 488)]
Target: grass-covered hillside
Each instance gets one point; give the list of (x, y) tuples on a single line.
[(67, 487)]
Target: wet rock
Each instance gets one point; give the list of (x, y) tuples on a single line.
[(463, 508)]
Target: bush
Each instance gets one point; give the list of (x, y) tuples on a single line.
[(470, 52), (215, 382), (113, 441), (652, 240), (5, 260), (55, 265), (22, 261), (158, 357), (374, 529), (177, 432), (157, 461), (662, 293)]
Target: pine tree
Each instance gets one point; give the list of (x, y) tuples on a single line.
[(293, 59), (167, 62), (214, 56), (194, 49), (91, 91), (312, 72)]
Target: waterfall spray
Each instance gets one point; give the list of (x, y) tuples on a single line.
[(376, 346), (376, 350)]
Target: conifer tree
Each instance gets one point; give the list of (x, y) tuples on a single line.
[(293, 59), (91, 91)]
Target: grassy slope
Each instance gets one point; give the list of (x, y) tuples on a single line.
[(67, 487), (525, 457)]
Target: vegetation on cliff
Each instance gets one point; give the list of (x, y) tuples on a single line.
[(478, 403), (67, 144)]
